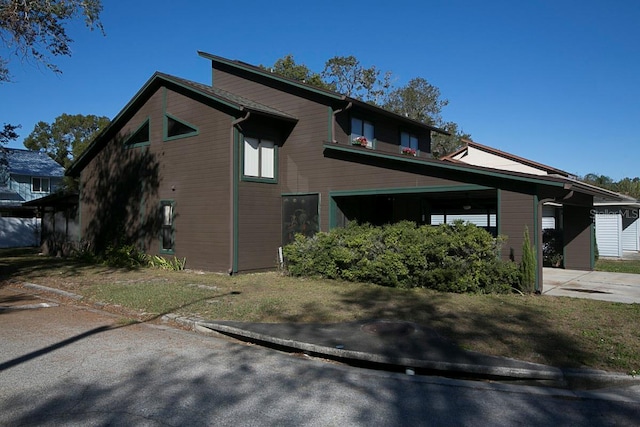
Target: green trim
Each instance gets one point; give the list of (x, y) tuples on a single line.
[(80, 188), (408, 190), (592, 230), (146, 122), (439, 164), (236, 198), (172, 203), (165, 128), (536, 241), (254, 70), (248, 178)]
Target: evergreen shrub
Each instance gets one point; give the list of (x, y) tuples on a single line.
[(454, 258)]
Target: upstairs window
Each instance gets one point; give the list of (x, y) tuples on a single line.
[(408, 141), (176, 128), (140, 137), (40, 185), (259, 159), (362, 132)]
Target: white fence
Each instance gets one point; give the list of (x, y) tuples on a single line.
[(19, 232)]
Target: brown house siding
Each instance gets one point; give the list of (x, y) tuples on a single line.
[(193, 172), (515, 211), (578, 237)]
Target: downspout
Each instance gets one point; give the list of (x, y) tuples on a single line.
[(539, 237), (333, 122), (232, 191)]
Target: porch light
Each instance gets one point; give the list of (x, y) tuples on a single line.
[(466, 207)]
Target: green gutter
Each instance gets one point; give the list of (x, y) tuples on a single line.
[(441, 165)]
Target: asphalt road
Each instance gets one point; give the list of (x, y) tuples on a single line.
[(64, 365)]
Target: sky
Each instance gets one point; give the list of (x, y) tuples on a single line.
[(554, 81)]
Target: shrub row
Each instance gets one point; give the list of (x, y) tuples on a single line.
[(454, 258)]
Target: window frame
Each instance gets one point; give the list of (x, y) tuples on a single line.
[(41, 180), (171, 227), (261, 150), (411, 136), (165, 128), (371, 143), (127, 144)]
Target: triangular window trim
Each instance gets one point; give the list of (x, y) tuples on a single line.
[(140, 137), (175, 128)]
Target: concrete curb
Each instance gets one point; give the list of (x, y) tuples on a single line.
[(564, 378)]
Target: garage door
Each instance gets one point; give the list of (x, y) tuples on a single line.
[(609, 234)]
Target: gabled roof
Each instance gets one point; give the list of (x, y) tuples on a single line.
[(32, 163), (452, 157), (330, 95), (235, 102)]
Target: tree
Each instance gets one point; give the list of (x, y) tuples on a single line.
[(37, 28), (67, 137), (418, 100), (7, 133), (346, 75), (442, 145), (288, 68)]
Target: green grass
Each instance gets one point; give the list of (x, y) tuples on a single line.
[(618, 266), (557, 331)]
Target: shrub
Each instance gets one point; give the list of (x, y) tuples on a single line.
[(528, 265), (456, 258)]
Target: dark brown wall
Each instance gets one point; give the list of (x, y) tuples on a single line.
[(577, 237), (515, 211), (191, 171)]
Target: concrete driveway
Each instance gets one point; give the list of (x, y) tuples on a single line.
[(598, 285)]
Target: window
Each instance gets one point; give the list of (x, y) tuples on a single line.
[(175, 128), (408, 144), (140, 137), (167, 216), (362, 128), (40, 185), (409, 140), (259, 158)]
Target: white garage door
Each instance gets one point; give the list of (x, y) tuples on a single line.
[(609, 235)]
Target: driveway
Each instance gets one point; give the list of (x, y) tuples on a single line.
[(598, 285)]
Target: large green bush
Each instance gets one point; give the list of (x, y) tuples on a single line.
[(456, 258)]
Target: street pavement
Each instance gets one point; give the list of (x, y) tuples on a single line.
[(64, 364)]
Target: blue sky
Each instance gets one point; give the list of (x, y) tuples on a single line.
[(555, 81)]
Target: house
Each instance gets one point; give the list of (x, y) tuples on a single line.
[(225, 174), (24, 176), (617, 227)]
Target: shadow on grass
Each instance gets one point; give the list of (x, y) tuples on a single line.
[(520, 331)]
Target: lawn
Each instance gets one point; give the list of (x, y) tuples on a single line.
[(618, 266), (563, 332)]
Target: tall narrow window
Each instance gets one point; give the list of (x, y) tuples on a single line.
[(167, 216), (259, 158), (40, 185), (362, 132)]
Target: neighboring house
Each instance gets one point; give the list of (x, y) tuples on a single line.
[(26, 175), (617, 226), (473, 153), (60, 232), (224, 175)]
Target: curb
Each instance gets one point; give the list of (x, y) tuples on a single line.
[(584, 379)]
